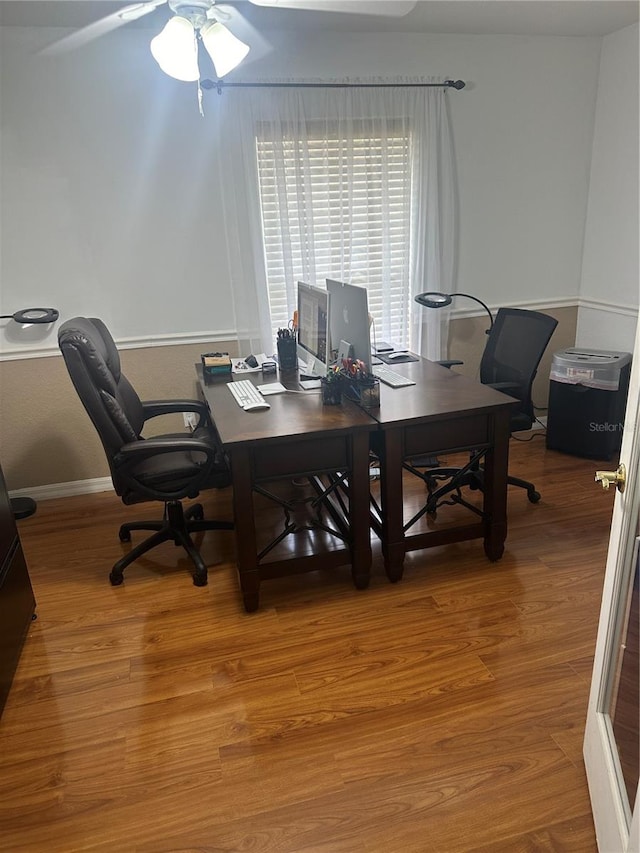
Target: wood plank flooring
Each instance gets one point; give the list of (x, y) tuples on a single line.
[(442, 714)]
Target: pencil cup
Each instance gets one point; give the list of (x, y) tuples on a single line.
[(365, 392), (287, 353), (370, 395), (331, 391)]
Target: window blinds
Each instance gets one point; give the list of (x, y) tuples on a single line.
[(338, 206)]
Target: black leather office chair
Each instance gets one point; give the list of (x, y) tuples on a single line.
[(165, 468), (514, 348)]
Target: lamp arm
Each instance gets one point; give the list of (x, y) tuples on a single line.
[(480, 302)]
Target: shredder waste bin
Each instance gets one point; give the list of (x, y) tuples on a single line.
[(587, 401)]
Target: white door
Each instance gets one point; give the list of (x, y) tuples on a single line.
[(611, 736)]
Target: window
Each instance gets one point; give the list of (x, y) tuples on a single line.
[(338, 205)]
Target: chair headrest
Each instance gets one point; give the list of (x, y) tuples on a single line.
[(92, 340)]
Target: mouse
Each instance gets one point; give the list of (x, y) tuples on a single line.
[(251, 360), (394, 355), (256, 407)]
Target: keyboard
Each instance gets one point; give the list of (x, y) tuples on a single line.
[(395, 380), (247, 395)]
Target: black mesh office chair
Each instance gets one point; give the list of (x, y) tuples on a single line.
[(163, 468), (513, 351)]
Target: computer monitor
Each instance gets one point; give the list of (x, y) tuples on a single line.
[(349, 319), (313, 330)]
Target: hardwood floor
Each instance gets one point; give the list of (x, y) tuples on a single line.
[(442, 714)]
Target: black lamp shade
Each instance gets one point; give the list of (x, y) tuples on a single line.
[(33, 315), (433, 299)]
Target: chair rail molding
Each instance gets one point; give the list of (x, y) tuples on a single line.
[(531, 304), (144, 342), (550, 304), (609, 307)]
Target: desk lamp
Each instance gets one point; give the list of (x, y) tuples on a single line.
[(33, 315), (432, 299)]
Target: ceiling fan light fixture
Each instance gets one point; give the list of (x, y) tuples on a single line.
[(225, 50), (176, 51)]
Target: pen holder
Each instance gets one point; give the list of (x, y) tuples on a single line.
[(331, 389), (365, 392), (287, 353)]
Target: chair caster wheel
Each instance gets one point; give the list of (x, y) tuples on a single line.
[(200, 578), (534, 496), (116, 578), (197, 512), (124, 535)]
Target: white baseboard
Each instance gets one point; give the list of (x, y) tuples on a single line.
[(65, 490)]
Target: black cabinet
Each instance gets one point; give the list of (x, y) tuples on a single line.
[(17, 602)]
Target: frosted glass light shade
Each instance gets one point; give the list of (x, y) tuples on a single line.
[(223, 47), (176, 51)]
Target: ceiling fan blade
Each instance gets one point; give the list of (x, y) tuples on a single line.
[(101, 27), (242, 29), (391, 8)]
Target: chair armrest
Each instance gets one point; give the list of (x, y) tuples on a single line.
[(154, 408), (505, 387), (160, 444), (449, 362), (132, 454)]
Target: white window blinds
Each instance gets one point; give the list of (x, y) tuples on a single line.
[(338, 205)]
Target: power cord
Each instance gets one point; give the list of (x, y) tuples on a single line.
[(540, 433)]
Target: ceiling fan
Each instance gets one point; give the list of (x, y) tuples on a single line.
[(195, 22)]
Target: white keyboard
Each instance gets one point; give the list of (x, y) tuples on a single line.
[(395, 380), (247, 395)]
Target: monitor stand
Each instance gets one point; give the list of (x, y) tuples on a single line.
[(308, 379)]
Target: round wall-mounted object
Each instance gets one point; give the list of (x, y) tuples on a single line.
[(34, 315)]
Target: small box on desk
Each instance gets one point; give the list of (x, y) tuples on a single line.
[(216, 364)]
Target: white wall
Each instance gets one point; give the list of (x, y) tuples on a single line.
[(109, 201), (609, 290), (109, 196)]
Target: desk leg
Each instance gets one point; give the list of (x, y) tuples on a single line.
[(495, 487), (392, 505), (246, 546), (359, 510)]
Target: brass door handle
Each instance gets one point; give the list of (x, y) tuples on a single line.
[(619, 477)]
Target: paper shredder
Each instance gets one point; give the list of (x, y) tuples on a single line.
[(587, 401)]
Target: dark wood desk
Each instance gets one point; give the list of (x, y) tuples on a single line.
[(443, 412), (17, 604), (297, 437)]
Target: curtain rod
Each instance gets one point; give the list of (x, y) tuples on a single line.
[(222, 84)]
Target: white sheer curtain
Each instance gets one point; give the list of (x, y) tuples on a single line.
[(355, 184)]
